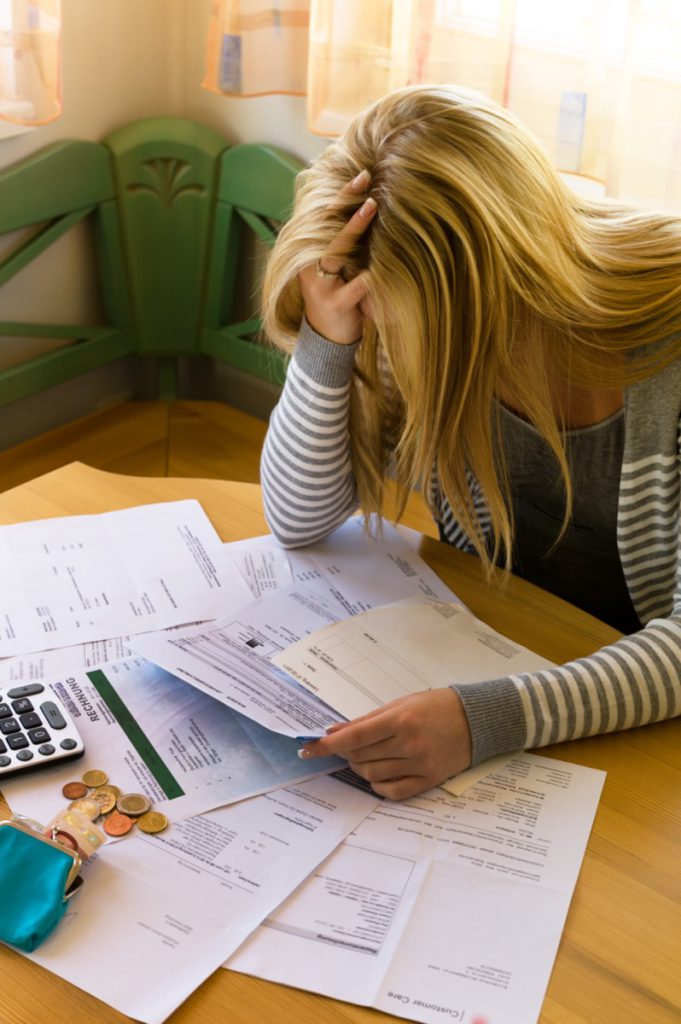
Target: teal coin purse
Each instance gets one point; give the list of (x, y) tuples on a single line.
[(37, 877)]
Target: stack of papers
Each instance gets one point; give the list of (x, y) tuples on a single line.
[(190, 666)]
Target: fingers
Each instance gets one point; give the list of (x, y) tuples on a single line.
[(401, 789), (405, 747), (358, 184), (332, 260), (334, 306), (364, 734)]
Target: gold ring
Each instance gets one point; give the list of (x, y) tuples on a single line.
[(326, 273)]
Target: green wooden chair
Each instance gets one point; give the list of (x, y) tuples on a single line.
[(173, 207)]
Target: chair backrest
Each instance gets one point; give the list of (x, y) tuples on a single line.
[(244, 207), (172, 206), (49, 193)]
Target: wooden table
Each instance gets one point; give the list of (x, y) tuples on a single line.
[(619, 961)]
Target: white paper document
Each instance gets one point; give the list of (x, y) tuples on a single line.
[(231, 659), (441, 907), (359, 570), (153, 734), (79, 578), (42, 666), (361, 663), (158, 914)]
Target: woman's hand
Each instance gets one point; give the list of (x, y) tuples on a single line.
[(408, 745), (333, 306)]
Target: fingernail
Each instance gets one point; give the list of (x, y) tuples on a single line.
[(302, 754), (367, 207), (362, 179)]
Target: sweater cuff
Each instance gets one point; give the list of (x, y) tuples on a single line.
[(325, 362), (495, 716)]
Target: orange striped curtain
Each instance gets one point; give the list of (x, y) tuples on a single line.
[(597, 81), (255, 48), (30, 61)]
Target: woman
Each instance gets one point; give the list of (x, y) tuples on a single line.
[(459, 316)]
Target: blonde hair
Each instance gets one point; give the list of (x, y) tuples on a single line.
[(483, 267)]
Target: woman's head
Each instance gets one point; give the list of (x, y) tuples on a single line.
[(467, 205), (482, 268)]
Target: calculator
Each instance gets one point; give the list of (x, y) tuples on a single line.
[(36, 729)]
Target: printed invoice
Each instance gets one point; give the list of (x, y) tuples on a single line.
[(158, 914), (441, 907), (79, 578), (156, 735)]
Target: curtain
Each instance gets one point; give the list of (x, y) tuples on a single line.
[(30, 61), (597, 81), (255, 48)]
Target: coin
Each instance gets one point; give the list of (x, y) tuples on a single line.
[(74, 790), (90, 808), (133, 804), (113, 790), (117, 824), (95, 777), (152, 822), (106, 801)]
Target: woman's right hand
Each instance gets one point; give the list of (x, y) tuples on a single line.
[(334, 307)]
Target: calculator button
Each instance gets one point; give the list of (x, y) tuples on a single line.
[(17, 742), (68, 744), (38, 735), (46, 749), (4, 761), (5, 710), (24, 755), (8, 725), (21, 706), (53, 715), (26, 691), (3, 748), (31, 720)]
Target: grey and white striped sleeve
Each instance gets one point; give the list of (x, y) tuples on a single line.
[(305, 470), (632, 682)]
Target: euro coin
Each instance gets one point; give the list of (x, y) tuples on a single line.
[(74, 790), (133, 804), (106, 801), (113, 790), (90, 808), (94, 778), (152, 822), (117, 824)]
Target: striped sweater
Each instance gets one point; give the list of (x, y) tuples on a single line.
[(309, 490)]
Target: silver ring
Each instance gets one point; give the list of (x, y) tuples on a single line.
[(327, 274)]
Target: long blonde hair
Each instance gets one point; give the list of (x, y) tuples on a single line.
[(483, 267)]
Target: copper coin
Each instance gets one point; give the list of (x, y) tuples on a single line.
[(152, 822), (74, 790), (133, 804), (117, 824), (95, 777), (90, 808)]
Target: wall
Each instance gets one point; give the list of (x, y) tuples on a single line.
[(122, 61)]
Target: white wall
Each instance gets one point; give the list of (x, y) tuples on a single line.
[(122, 60)]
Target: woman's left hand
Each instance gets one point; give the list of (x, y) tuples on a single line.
[(404, 747)]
